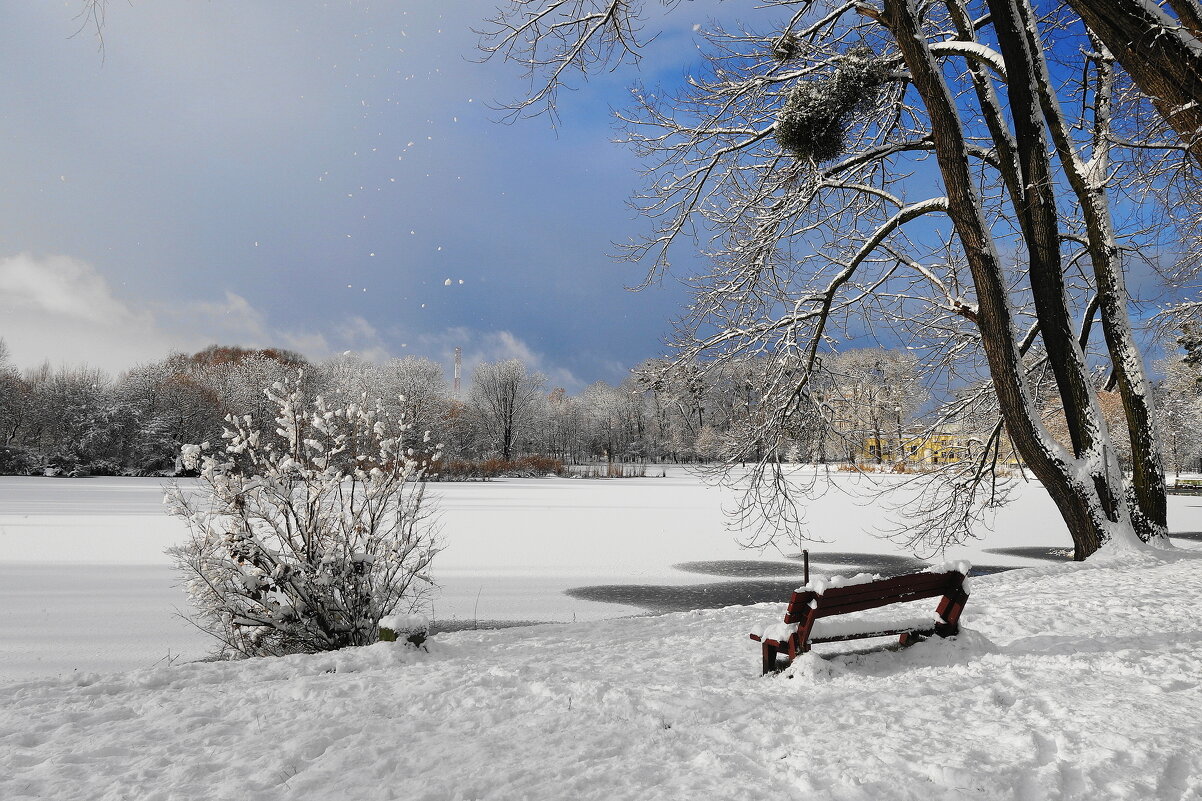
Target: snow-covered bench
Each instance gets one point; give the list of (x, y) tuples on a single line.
[(805, 618)]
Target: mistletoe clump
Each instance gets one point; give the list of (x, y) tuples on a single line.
[(813, 122), (787, 47)]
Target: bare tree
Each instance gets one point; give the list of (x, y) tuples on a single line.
[(1179, 403), (168, 392), (566, 424), (873, 395), (418, 387), (413, 387), (804, 150), (14, 399), (503, 401), (604, 413)]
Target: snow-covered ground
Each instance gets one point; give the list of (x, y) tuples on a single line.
[(1068, 682), (85, 586)]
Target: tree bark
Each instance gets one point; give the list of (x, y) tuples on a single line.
[(1038, 220), (1077, 502), (1088, 183), (1163, 57)]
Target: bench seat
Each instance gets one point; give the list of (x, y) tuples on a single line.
[(808, 615), (850, 628)]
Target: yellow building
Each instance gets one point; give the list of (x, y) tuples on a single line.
[(929, 447)]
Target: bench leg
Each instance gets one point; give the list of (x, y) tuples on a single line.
[(949, 610), (947, 629), (799, 643), (769, 652)]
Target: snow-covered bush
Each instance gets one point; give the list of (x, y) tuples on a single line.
[(305, 535), (16, 461)]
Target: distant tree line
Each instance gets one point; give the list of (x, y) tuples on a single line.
[(81, 421)]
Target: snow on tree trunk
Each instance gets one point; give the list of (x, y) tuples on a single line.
[(1082, 486)]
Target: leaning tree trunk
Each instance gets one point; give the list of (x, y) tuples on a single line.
[(1084, 490), (1088, 183), (1038, 221)]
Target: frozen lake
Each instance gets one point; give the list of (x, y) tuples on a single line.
[(85, 586)]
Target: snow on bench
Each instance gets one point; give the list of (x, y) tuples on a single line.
[(810, 607)]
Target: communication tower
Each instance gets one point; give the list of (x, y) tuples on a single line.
[(458, 371)]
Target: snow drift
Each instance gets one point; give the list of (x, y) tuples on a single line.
[(1070, 681)]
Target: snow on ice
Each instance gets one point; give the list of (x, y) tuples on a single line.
[(1068, 680)]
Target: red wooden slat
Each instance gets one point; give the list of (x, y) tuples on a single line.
[(839, 605), (798, 605), (885, 587), (861, 604), (919, 582), (871, 595), (878, 593), (871, 634)]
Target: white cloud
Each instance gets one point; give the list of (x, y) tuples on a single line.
[(62, 287), (234, 316), (62, 310), (363, 338), (493, 346)]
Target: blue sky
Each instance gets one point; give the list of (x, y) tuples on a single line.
[(309, 176)]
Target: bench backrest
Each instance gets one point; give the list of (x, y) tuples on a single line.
[(857, 597)]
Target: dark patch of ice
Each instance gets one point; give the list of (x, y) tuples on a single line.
[(661, 599), (863, 559), (1196, 536), (683, 598), (986, 570)]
